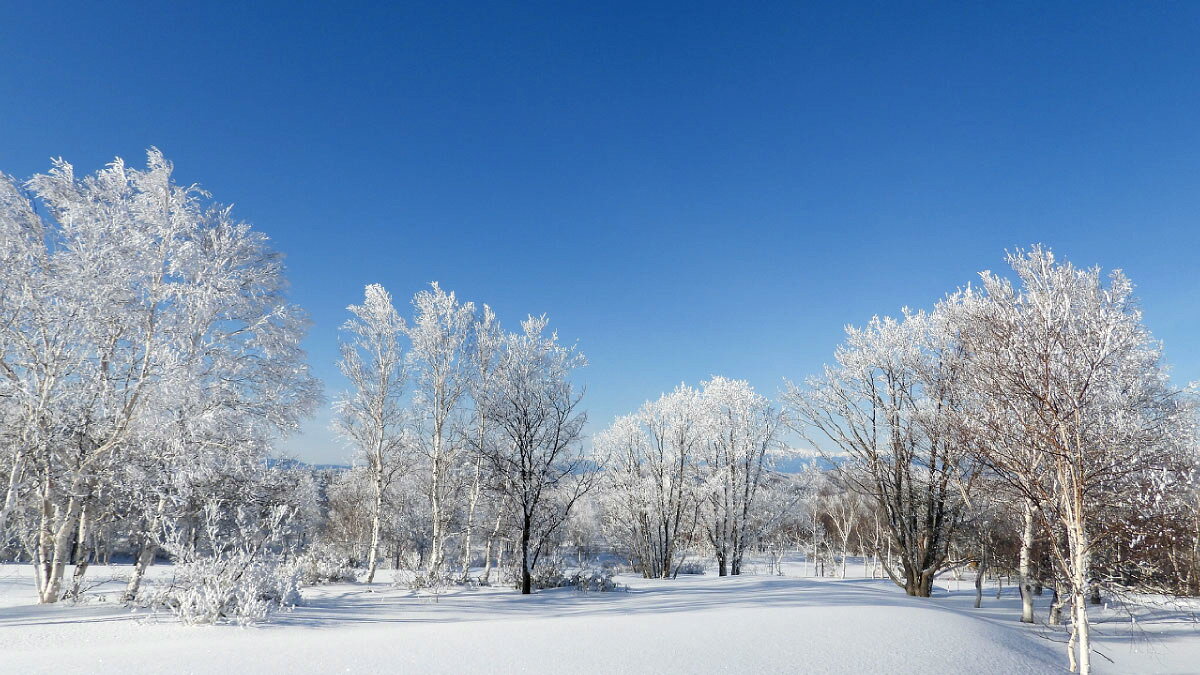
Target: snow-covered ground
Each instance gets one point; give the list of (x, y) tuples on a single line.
[(694, 624)]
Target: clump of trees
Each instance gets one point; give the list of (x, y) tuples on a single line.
[(492, 424), (148, 358), (690, 465), (1038, 403), (1074, 412)]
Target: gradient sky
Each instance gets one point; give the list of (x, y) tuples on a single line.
[(685, 189)]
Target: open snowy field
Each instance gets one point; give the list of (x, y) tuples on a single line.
[(693, 624)]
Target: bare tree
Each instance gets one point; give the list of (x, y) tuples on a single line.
[(889, 407), (533, 448)]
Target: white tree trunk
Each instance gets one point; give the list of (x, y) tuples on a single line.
[(1026, 565), (56, 548), (437, 480), (376, 529), (81, 551), (1080, 630), (14, 484), (487, 556), (145, 556), (476, 487)]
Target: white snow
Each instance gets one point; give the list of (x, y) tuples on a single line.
[(758, 624)]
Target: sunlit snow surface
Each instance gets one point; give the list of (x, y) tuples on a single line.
[(755, 623)]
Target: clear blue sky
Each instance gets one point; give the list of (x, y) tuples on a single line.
[(685, 189)]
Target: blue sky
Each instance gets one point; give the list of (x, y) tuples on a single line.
[(685, 189)]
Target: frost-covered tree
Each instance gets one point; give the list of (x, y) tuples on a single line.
[(741, 440), (486, 340), (371, 415), (1063, 360), (439, 361), (135, 305), (652, 481), (533, 450), (889, 412)]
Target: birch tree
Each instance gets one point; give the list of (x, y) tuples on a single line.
[(1066, 357), (486, 340), (137, 299), (440, 366), (371, 415)]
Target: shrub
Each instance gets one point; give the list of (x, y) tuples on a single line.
[(323, 565), (551, 574), (235, 573), (690, 567)]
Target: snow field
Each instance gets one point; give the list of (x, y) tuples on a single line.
[(761, 624)]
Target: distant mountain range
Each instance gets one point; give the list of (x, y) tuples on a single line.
[(288, 463)]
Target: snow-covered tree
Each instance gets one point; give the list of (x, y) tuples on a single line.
[(741, 440), (533, 450), (439, 361), (888, 410), (486, 340), (651, 491), (371, 415), (1080, 408), (134, 307)]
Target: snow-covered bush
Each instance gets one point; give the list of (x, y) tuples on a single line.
[(323, 565), (553, 575), (238, 588), (547, 575), (419, 580), (236, 572), (690, 567), (598, 580)]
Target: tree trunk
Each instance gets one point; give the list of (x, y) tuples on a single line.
[(1080, 632), (437, 548), (470, 524), (979, 587), (1079, 626), (1026, 565), (14, 484), (979, 572), (83, 552), (526, 573), (924, 584), (145, 556), (487, 556), (55, 547), (376, 529)]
